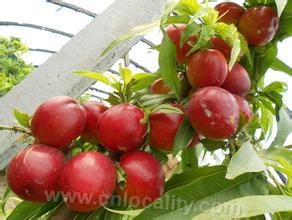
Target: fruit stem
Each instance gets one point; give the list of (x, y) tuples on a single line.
[(15, 129)]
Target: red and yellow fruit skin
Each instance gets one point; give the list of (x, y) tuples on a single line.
[(159, 87), (213, 113), (163, 128), (259, 25), (244, 108), (144, 181), (174, 33), (220, 45), (237, 81), (91, 176), (93, 111), (33, 174), (121, 128), (207, 68), (58, 121), (230, 12)]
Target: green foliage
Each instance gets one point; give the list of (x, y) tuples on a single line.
[(13, 69)]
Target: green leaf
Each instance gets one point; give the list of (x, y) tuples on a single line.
[(285, 28), (23, 209), (248, 206), (284, 128), (190, 30), (5, 198), (279, 65), (44, 208), (183, 179), (142, 81), (282, 152), (131, 213), (22, 118), (189, 7), (280, 6), (126, 74), (234, 53), (201, 193), (160, 156), (183, 136), (101, 77), (167, 108), (167, 64), (277, 86), (169, 7), (178, 19), (189, 158), (207, 32), (134, 32), (212, 145), (246, 159)]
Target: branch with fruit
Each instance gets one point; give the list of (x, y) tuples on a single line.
[(205, 114)]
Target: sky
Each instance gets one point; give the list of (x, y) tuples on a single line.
[(46, 14)]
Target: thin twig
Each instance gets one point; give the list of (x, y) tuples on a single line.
[(279, 186), (72, 7), (38, 27), (15, 129)]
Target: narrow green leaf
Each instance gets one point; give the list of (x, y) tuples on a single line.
[(178, 19), (277, 86), (142, 82), (234, 53), (279, 65), (44, 208), (207, 32), (189, 7), (282, 152), (97, 76), (284, 128), (22, 118), (161, 156), (23, 209), (183, 179), (167, 108), (190, 30), (281, 4), (202, 193), (183, 136), (131, 213), (134, 32), (5, 198), (167, 64), (247, 207), (246, 159), (212, 145), (169, 7), (189, 158), (126, 74)]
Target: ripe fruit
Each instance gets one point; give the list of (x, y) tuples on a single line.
[(220, 45), (121, 128), (33, 174), (93, 111), (88, 181), (159, 87), (163, 128), (259, 25), (58, 121), (144, 181), (213, 112), (244, 108), (207, 68), (237, 81), (231, 12), (174, 32)]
